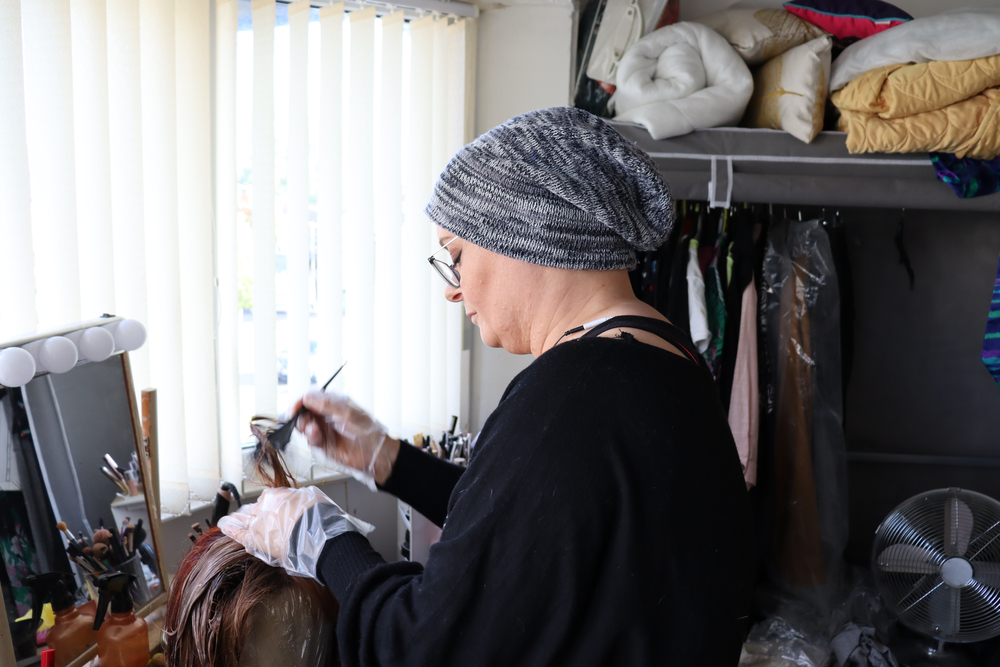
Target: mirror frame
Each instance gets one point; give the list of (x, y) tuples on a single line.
[(149, 487)]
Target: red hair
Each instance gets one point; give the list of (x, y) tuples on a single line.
[(219, 588)]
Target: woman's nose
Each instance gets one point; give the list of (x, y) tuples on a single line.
[(453, 294)]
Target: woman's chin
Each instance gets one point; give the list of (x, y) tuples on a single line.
[(489, 338)]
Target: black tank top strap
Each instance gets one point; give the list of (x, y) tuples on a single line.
[(664, 330)]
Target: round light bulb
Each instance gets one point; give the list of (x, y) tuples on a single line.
[(94, 343), (57, 355), (17, 367), (129, 334)]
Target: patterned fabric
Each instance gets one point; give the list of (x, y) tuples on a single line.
[(715, 303), (556, 187), (967, 177), (991, 340), (849, 20), (17, 548)]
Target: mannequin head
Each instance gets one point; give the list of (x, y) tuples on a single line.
[(227, 608)]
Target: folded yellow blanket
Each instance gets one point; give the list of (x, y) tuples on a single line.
[(896, 91), (970, 128)]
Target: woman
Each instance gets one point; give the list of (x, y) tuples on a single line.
[(603, 519)]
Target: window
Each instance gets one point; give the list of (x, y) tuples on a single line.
[(259, 206)]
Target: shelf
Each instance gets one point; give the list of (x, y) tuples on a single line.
[(773, 167)]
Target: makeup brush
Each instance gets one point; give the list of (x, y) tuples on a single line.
[(129, 533), (196, 527), (62, 526), (280, 436), (114, 466), (192, 537), (114, 478), (139, 536), (83, 564), (117, 550), (102, 536), (78, 556)]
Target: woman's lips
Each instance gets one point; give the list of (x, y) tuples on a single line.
[(472, 316)]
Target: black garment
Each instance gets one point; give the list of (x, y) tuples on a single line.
[(603, 520), (677, 302), (664, 263), (837, 232)]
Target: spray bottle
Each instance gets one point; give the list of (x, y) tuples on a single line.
[(73, 631), (122, 640)]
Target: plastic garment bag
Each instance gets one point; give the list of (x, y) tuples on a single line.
[(775, 643), (801, 327)]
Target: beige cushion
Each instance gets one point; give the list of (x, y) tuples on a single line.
[(761, 34), (789, 91)]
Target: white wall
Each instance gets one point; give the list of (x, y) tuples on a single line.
[(524, 63)]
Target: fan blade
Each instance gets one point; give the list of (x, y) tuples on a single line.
[(945, 607), (957, 527), (908, 558), (988, 574)]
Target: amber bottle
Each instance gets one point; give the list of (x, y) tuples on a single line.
[(123, 639), (73, 630)]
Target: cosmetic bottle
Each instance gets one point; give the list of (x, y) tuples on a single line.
[(122, 638), (73, 631)]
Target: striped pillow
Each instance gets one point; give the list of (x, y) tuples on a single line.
[(849, 20)]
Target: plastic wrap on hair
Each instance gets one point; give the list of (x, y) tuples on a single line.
[(291, 628), (801, 322)]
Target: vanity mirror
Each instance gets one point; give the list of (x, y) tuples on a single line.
[(72, 460)]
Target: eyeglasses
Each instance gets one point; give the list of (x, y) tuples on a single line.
[(445, 270)]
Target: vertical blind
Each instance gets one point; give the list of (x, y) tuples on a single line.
[(120, 170)]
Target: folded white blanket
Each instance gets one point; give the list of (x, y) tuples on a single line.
[(681, 78), (962, 34)]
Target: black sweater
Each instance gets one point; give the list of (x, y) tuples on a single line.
[(603, 520)]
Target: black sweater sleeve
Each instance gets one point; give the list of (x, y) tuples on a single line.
[(423, 481)]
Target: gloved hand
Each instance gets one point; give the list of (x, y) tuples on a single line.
[(288, 528), (345, 433)]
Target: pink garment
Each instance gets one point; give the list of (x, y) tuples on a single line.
[(744, 403)]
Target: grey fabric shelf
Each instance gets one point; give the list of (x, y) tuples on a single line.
[(771, 166)]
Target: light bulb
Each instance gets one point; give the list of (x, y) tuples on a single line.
[(129, 334), (17, 367), (94, 343), (55, 355)]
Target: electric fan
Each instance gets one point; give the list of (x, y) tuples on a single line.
[(936, 563)]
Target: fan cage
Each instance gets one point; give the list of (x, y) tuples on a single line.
[(934, 527)]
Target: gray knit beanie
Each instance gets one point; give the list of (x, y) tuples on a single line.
[(556, 187)]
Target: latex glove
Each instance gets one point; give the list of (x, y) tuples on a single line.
[(288, 528), (345, 433)]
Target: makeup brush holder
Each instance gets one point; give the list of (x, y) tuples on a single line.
[(140, 587)]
